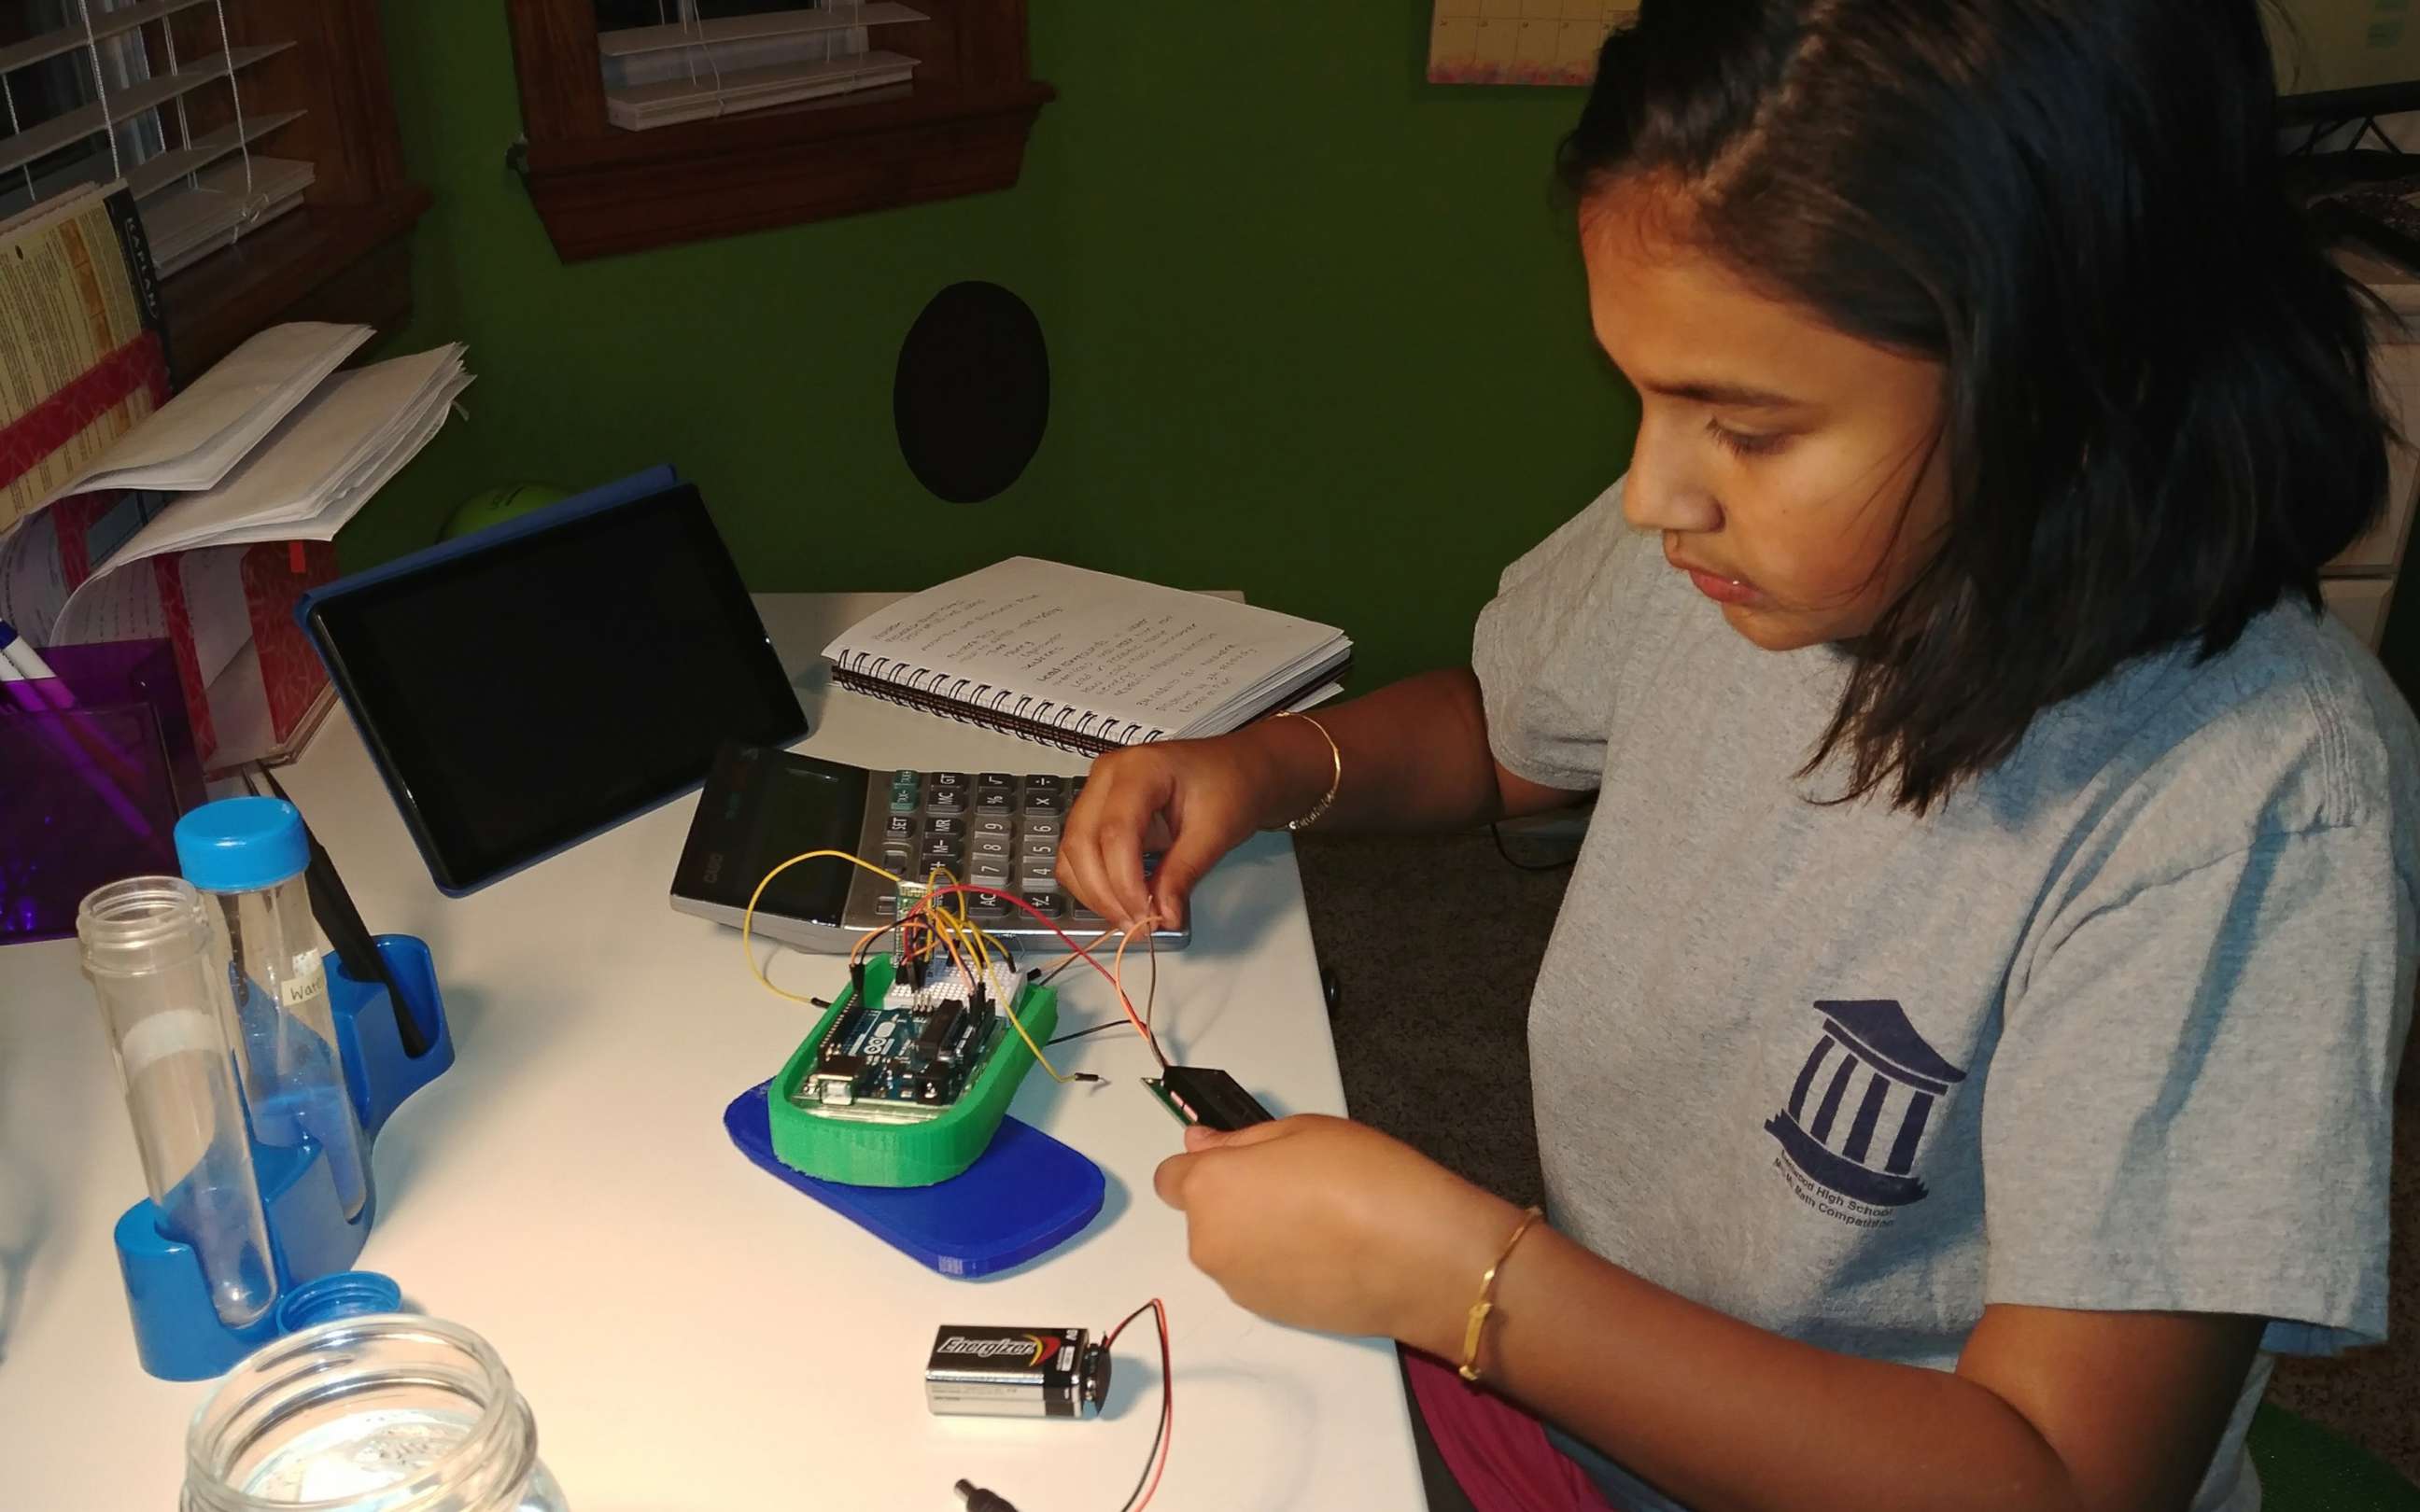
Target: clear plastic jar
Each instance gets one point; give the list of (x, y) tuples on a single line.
[(247, 856), (383, 1412), (161, 980)]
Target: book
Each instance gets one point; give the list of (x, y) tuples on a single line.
[(1086, 660), (80, 316)]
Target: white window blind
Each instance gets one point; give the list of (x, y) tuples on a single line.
[(97, 92), (690, 67)]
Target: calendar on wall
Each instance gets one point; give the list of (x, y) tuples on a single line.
[(1520, 41)]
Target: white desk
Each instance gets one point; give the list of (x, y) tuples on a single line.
[(693, 1334)]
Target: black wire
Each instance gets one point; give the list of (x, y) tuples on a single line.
[(1150, 1035), (1159, 1432), (1078, 1034), (1498, 831)]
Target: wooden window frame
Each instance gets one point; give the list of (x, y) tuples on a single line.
[(960, 129)]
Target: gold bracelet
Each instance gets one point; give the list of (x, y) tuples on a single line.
[(1334, 781), (1486, 1303)]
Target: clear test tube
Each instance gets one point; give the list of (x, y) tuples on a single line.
[(148, 952), (248, 855)]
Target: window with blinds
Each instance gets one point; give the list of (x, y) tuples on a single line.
[(153, 92), (668, 61)]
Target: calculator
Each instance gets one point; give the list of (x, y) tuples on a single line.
[(1000, 830)]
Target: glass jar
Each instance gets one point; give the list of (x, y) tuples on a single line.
[(382, 1412)]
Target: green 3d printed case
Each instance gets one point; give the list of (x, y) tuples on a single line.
[(917, 1152)]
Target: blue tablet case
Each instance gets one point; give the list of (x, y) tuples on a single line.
[(1023, 1197), (638, 485)]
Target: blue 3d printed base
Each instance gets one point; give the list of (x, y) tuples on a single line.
[(178, 1333), (1025, 1196)]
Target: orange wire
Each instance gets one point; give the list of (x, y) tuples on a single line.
[(1123, 1001), (1118, 981)]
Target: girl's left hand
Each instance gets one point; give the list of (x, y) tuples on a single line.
[(1326, 1224)]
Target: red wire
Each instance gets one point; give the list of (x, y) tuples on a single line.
[(1167, 1398), (1123, 1001)]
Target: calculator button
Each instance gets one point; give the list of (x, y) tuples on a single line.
[(986, 907), (991, 845), (1045, 782), (886, 906), (896, 858), (1038, 873), (904, 800), (1085, 914), (1052, 804), (941, 782), (994, 780), (991, 871), (995, 824), (1150, 862), (898, 826), (941, 850), (1030, 846), (1041, 829), (946, 800), (995, 801), (906, 777), (944, 825), (1048, 904)]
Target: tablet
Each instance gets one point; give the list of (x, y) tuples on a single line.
[(525, 687)]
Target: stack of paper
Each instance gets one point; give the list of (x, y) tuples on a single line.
[(160, 535), (198, 437), (321, 463), (305, 480)]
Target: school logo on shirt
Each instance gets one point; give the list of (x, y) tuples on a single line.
[(1859, 1109)]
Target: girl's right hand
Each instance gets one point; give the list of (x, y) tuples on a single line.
[(1191, 800)]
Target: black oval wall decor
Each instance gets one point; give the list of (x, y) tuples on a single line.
[(971, 392)]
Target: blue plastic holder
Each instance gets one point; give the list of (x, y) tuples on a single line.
[(178, 1333), (1024, 1196)]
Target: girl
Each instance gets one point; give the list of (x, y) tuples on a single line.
[(1966, 1052)]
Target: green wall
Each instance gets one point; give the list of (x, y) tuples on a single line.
[(1316, 328)]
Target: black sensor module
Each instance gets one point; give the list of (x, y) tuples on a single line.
[(1207, 1095)]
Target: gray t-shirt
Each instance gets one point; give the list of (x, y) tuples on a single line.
[(2114, 1028)]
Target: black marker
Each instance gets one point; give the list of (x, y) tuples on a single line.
[(333, 908)]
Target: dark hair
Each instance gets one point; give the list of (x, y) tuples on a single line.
[(2159, 407)]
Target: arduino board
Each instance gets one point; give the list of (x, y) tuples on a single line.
[(906, 1078), (911, 1052)]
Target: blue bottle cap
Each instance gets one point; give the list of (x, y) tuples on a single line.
[(343, 1294), (239, 845)]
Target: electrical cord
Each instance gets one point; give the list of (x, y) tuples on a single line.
[(1102, 1028), (1162, 1437), (1116, 983), (942, 925)]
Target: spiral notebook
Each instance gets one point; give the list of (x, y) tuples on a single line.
[(1088, 661)]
